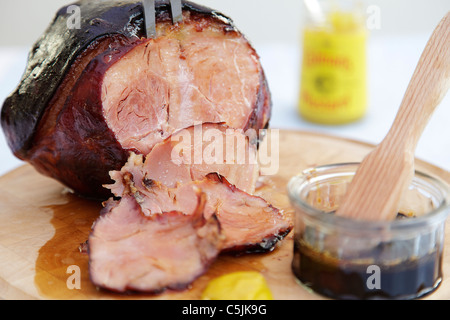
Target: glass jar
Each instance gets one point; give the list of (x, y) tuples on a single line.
[(349, 259)]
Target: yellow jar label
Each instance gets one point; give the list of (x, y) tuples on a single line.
[(333, 83)]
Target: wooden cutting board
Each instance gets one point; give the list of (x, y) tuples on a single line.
[(42, 227)]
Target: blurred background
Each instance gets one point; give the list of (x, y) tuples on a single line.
[(274, 29), (263, 21)]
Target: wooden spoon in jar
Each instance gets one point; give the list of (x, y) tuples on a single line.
[(385, 173)]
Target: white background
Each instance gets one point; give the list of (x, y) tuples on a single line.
[(273, 27)]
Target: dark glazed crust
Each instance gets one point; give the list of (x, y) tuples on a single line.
[(51, 58), (54, 53), (73, 143)]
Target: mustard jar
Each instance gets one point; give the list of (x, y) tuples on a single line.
[(333, 86)]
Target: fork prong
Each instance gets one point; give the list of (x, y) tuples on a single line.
[(149, 17), (177, 13)]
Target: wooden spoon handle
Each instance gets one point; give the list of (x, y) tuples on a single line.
[(428, 86)]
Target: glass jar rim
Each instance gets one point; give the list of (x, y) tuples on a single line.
[(436, 215)]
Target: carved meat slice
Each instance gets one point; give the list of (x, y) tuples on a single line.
[(192, 153), (249, 223), (129, 251)]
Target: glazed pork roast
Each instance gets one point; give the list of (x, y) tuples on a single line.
[(90, 95), (164, 129)]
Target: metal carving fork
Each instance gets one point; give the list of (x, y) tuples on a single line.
[(149, 15)]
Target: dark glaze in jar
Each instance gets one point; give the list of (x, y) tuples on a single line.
[(348, 259), (340, 279)]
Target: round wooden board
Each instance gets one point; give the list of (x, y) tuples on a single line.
[(42, 227)]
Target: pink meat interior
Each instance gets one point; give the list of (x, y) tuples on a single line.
[(185, 75)]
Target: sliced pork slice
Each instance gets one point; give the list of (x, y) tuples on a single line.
[(129, 251), (192, 153), (90, 95), (249, 223)]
